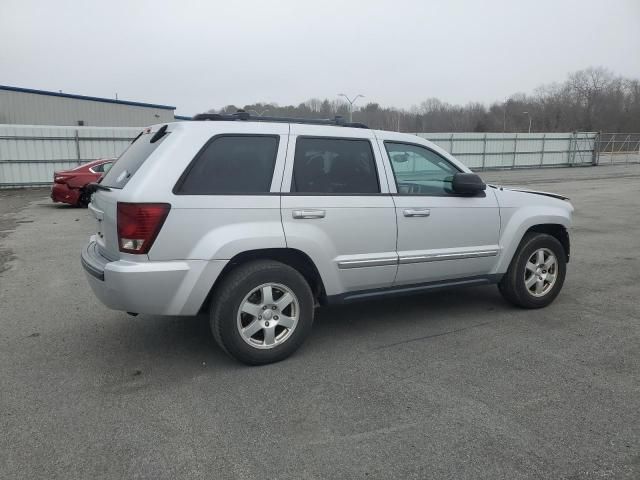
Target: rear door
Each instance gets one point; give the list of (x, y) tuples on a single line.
[(441, 235), (336, 207)]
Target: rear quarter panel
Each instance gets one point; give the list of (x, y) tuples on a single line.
[(209, 227), (220, 228)]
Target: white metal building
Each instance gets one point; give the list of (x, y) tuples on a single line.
[(25, 106)]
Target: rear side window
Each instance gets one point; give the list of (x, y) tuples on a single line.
[(130, 161), (102, 168), (231, 164), (334, 166)]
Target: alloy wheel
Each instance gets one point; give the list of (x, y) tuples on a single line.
[(268, 315), (541, 272)]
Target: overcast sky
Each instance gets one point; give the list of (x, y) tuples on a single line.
[(198, 55)]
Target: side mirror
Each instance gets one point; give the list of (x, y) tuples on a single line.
[(400, 158), (467, 184)]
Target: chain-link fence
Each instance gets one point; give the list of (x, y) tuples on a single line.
[(616, 148)]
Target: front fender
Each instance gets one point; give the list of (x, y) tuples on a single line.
[(516, 221)]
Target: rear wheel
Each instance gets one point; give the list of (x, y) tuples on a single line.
[(262, 312), (537, 272)]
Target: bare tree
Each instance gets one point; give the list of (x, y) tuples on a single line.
[(593, 99)]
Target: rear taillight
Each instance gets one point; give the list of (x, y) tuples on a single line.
[(139, 225), (60, 179)]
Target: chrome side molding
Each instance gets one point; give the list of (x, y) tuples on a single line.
[(448, 256), (435, 257), (371, 262)]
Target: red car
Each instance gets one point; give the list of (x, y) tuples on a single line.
[(69, 185)]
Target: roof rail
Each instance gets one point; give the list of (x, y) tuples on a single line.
[(242, 115)]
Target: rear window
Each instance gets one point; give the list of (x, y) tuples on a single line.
[(101, 168), (131, 160), (231, 164)]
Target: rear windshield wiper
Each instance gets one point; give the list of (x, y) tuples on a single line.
[(159, 134), (137, 137), (92, 187)]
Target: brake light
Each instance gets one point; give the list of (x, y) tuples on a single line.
[(139, 225), (60, 179)]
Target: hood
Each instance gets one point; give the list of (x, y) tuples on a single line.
[(534, 192)]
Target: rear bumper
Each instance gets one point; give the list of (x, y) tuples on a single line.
[(157, 288), (60, 192)]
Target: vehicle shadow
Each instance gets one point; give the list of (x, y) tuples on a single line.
[(401, 317), (127, 355), (181, 347), (60, 206)]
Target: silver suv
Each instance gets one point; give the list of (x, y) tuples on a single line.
[(259, 220)]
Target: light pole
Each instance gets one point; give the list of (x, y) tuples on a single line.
[(351, 102), (527, 114), (504, 117)]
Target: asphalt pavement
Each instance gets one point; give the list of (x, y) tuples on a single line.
[(447, 385)]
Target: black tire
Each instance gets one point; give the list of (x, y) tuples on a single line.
[(229, 296), (512, 286)]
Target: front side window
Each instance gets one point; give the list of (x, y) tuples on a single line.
[(419, 171), (334, 166), (232, 164)]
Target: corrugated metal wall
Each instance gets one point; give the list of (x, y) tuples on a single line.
[(30, 154), (517, 150), (34, 109)]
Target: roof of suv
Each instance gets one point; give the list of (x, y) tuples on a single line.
[(217, 121), (260, 124), (242, 116)]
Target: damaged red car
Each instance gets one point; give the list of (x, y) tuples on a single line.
[(69, 186)]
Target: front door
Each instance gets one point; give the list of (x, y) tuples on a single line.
[(441, 235)]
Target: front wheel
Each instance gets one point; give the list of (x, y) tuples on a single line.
[(262, 312), (536, 273)]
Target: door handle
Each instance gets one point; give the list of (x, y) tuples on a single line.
[(417, 212), (309, 213)]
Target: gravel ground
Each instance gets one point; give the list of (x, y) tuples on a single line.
[(454, 384)]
